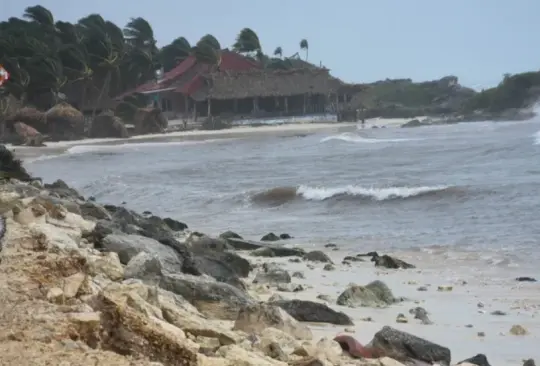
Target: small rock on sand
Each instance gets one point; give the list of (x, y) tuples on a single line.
[(518, 330)]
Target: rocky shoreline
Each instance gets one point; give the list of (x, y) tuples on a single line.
[(91, 284)]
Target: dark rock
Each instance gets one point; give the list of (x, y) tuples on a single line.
[(295, 260), (498, 312), (329, 267), (279, 250), (285, 236), (353, 259), (389, 262), (263, 252), (147, 213), (414, 123), (213, 299), (330, 245), (230, 234), (317, 256), (374, 294), (478, 360), (315, 312), (403, 346), (206, 243), (270, 237), (298, 274), (174, 225), (91, 209), (526, 279), (223, 266), (63, 190), (529, 362)]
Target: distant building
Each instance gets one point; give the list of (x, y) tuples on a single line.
[(241, 87)]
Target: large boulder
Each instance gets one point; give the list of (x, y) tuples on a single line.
[(214, 299), (403, 346), (11, 167), (108, 125), (314, 312), (64, 122), (272, 274), (374, 294), (128, 246), (223, 266), (255, 318), (150, 120), (317, 256), (29, 116)]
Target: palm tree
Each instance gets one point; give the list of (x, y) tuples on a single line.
[(211, 41), (107, 48), (278, 52), (174, 53), (304, 45), (141, 61), (247, 41)]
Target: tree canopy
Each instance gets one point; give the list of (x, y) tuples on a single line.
[(49, 58)]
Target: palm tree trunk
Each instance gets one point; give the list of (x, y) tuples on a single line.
[(106, 85)]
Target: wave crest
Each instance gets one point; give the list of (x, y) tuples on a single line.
[(356, 138), (282, 195), (537, 138)]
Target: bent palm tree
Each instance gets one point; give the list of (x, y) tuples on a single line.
[(304, 45), (278, 52)]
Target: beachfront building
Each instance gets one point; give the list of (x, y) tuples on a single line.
[(241, 88)]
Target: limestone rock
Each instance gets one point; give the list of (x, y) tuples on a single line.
[(255, 318)]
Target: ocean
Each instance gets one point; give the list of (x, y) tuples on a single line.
[(468, 191)]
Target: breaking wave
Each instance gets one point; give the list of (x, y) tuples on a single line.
[(90, 148), (537, 138), (356, 138), (281, 195)]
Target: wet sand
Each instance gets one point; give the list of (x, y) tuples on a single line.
[(458, 315)]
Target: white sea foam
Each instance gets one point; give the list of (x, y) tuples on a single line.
[(356, 138), (81, 149), (537, 138), (378, 194)]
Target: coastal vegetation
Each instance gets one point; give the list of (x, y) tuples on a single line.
[(93, 56)]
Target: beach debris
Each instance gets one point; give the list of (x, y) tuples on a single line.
[(329, 267), (387, 261), (403, 346), (401, 318), (481, 334), (375, 294), (518, 330), (478, 360), (480, 305), (317, 256), (445, 288), (315, 312), (354, 348), (349, 330), (526, 279), (270, 237), (498, 313), (422, 288)]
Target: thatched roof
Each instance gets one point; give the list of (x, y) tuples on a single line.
[(269, 83), (65, 112)]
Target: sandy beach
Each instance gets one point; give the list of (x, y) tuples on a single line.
[(458, 316), (282, 130)]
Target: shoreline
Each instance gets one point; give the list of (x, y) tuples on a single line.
[(260, 131), (284, 130), (450, 311)]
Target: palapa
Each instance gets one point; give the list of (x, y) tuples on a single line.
[(270, 83), (63, 119)]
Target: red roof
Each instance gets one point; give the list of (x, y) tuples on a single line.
[(230, 61)]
